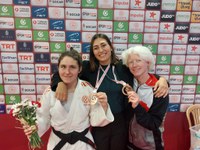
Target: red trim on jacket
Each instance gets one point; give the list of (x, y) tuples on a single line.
[(144, 105), (150, 82)]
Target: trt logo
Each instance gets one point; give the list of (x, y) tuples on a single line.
[(8, 46), (24, 57), (42, 68)]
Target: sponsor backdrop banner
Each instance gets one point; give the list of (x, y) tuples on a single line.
[(33, 34)]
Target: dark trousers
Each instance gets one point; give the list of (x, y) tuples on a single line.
[(113, 136)]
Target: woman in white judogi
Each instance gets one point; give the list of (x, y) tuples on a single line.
[(70, 120)]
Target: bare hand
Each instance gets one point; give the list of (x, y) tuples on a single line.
[(133, 98), (61, 91), (102, 99), (28, 130), (161, 88)]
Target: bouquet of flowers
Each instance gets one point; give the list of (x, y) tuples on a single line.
[(25, 112)]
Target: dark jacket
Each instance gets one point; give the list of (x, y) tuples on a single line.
[(122, 73), (150, 121)]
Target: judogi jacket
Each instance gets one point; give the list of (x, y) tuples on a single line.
[(77, 118)]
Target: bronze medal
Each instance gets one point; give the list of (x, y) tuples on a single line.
[(93, 99), (126, 88)]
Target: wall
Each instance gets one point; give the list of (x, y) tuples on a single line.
[(33, 33)]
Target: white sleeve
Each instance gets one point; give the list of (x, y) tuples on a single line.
[(43, 113), (98, 117)]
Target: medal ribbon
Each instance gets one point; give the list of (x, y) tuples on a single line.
[(99, 81), (115, 77), (117, 81), (124, 84)]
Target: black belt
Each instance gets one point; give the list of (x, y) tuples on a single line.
[(72, 138)]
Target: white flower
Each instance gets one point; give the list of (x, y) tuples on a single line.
[(25, 112)]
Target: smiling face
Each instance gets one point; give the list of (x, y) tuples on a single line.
[(102, 51), (68, 70), (137, 66)]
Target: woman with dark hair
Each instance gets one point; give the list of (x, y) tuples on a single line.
[(93, 60), (71, 120), (107, 74)]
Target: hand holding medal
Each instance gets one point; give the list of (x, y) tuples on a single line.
[(101, 98), (93, 98), (87, 100), (90, 99), (128, 91), (133, 98), (126, 87)]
